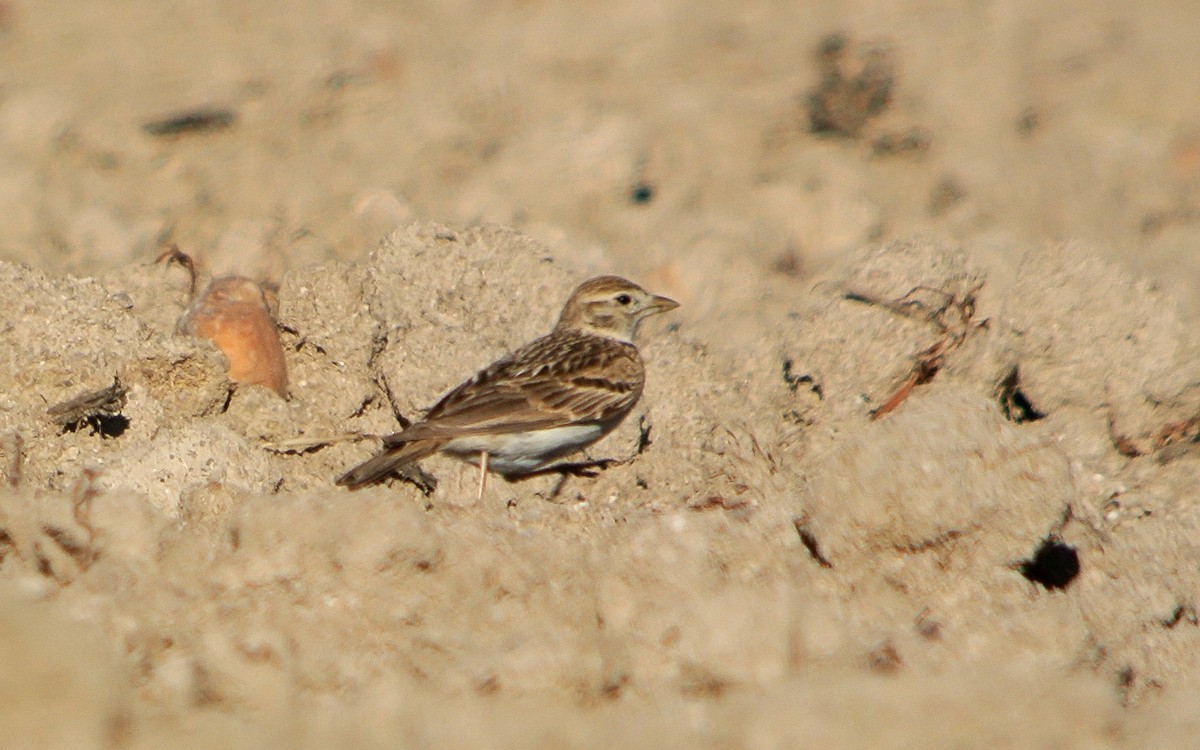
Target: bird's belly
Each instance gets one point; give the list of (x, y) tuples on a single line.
[(523, 452)]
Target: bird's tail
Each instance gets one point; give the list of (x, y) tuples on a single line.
[(398, 459)]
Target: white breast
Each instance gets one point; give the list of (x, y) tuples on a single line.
[(522, 452)]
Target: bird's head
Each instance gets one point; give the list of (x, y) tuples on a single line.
[(611, 306)]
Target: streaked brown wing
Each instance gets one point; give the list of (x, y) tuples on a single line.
[(555, 381)]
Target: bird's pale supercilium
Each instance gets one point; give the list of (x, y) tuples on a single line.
[(551, 398)]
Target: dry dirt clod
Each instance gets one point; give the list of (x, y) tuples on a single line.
[(855, 87), (885, 659), (911, 141)]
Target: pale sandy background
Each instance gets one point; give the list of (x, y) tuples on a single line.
[(426, 182)]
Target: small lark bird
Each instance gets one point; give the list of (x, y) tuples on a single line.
[(548, 399)]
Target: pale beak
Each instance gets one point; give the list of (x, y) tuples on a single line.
[(660, 304)]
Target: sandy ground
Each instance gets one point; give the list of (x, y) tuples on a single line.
[(915, 463)]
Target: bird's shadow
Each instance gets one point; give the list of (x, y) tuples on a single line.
[(418, 477), (589, 469)]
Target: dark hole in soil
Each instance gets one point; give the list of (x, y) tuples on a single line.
[(794, 380), (809, 540), (1054, 565), (104, 425), (99, 410), (1183, 613), (641, 193), (1013, 401)]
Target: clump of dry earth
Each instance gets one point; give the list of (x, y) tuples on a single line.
[(1001, 557)]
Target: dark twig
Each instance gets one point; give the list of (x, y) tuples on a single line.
[(15, 468), (954, 318), (174, 255)]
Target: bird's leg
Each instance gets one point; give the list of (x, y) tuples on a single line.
[(483, 461)]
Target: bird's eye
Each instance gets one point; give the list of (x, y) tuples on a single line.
[(624, 299)]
